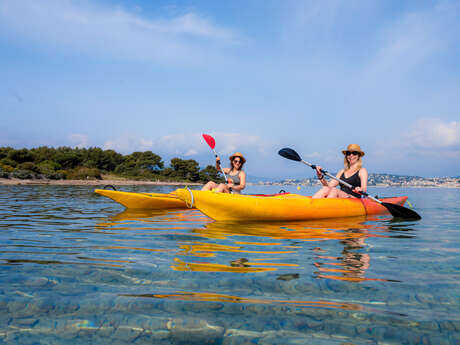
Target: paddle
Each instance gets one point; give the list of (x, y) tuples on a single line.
[(212, 144), (396, 211)]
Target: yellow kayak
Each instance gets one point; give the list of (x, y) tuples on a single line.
[(280, 207), (154, 201)]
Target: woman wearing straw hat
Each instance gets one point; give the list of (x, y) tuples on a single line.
[(353, 173), (236, 177)]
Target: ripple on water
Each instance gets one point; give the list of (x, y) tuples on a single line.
[(76, 268)]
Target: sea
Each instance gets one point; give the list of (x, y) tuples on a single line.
[(78, 268)]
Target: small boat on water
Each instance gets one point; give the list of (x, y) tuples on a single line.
[(153, 201), (280, 207)]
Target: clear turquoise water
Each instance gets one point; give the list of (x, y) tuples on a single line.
[(75, 268)]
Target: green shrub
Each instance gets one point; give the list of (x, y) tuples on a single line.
[(7, 168), (48, 167), (9, 162), (55, 176), (84, 174), (23, 174), (62, 174), (4, 173), (21, 156), (211, 174), (4, 151), (29, 166)]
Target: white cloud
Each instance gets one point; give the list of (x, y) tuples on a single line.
[(79, 140), (432, 133), (113, 32), (228, 143), (188, 145), (127, 144), (193, 144), (145, 144)]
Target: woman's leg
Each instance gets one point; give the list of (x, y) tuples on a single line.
[(209, 186), (328, 192), (323, 192), (338, 193), (342, 194), (222, 188), (333, 193)]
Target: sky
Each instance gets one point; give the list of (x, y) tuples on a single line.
[(260, 75)]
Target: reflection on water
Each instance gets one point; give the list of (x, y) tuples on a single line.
[(283, 239), (75, 269), (351, 265), (213, 297)]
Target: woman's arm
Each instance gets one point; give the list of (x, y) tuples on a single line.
[(225, 170), (324, 182), (363, 175), (242, 184), (334, 183)]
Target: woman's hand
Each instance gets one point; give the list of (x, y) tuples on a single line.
[(358, 190), (230, 185), (217, 160), (319, 173)]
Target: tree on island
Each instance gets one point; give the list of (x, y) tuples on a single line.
[(92, 163)]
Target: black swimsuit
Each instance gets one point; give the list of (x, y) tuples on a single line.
[(354, 180)]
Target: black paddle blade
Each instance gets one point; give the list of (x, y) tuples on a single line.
[(290, 154), (399, 211)]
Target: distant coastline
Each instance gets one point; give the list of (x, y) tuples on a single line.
[(406, 182), (384, 180)]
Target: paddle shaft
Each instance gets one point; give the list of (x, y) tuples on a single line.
[(222, 170), (340, 181)]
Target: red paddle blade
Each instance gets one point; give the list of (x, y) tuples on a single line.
[(210, 140)]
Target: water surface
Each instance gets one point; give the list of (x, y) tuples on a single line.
[(77, 268)]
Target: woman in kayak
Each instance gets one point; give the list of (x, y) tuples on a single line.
[(236, 177), (353, 173)]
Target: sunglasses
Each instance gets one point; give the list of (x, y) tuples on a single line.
[(236, 161), (355, 153)]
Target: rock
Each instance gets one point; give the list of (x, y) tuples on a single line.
[(186, 331), (127, 334), (288, 276), (30, 322)]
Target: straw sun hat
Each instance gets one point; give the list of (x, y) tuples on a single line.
[(353, 147), (238, 154)]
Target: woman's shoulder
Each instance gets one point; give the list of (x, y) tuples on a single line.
[(240, 173), (362, 172)]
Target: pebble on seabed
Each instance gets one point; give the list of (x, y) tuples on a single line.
[(193, 330)]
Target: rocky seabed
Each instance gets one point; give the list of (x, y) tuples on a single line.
[(124, 320)]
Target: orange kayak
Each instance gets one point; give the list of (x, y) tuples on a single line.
[(281, 207)]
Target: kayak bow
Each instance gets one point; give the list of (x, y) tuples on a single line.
[(154, 201)]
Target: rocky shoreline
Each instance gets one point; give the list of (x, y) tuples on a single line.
[(14, 181)]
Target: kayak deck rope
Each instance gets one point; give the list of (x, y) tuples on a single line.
[(191, 198)]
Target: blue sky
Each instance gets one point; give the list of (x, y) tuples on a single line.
[(257, 75)]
